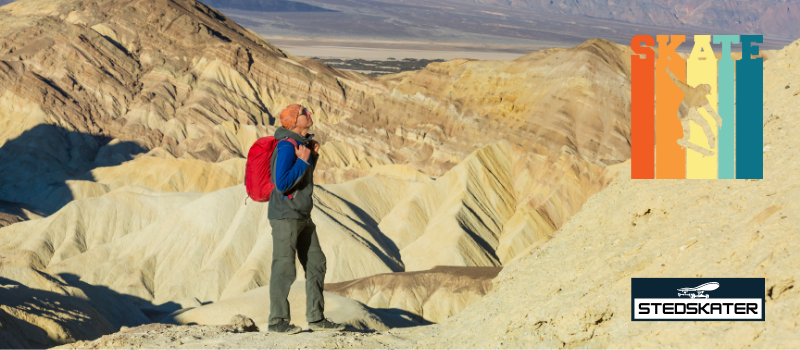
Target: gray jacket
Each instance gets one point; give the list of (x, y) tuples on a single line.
[(299, 207)]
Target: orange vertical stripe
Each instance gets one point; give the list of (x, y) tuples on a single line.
[(642, 108), (670, 157)]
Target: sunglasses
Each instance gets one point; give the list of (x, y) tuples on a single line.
[(305, 111)]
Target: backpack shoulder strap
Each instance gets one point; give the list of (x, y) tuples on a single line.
[(290, 140), (272, 161)]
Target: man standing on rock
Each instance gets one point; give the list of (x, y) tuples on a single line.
[(293, 231)]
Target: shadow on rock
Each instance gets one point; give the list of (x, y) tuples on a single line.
[(48, 166)]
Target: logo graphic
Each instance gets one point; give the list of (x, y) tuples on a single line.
[(696, 118), (653, 299), (705, 287)]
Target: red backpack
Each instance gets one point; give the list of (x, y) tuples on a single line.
[(258, 175)]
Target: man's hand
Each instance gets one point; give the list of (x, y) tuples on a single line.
[(302, 152), (314, 147)]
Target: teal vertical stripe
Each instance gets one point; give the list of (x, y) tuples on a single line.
[(726, 107), (750, 111)]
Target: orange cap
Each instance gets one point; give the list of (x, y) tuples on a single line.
[(289, 115)]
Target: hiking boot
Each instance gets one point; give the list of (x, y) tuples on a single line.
[(284, 327), (325, 325)]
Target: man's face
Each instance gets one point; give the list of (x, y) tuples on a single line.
[(304, 119)]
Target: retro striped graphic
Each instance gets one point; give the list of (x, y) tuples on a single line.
[(722, 134)]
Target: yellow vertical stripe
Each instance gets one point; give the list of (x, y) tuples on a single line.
[(699, 71)]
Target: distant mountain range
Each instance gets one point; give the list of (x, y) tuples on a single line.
[(265, 5), (768, 17), (779, 19), (514, 26), (253, 5), (518, 26)]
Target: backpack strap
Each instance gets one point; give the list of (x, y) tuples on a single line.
[(290, 140), (295, 146)]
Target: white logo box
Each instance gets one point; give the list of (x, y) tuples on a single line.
[(705, 309)]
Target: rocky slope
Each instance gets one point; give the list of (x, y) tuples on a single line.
[(707, 228), (164, 336), (39, 310), (11, 213), (86, 84), (550, 103), (564, 112), (164, 246)]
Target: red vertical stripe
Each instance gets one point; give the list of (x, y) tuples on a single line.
[(642, 108)]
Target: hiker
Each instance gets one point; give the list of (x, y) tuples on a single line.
[(293, 231)]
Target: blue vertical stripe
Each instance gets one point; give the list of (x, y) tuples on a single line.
[(750, 111)]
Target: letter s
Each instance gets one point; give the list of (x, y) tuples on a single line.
[(643, 309)]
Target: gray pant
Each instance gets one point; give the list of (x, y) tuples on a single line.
[(300, 236)]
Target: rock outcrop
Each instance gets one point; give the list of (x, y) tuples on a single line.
[(255, 304), (434, 294)]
